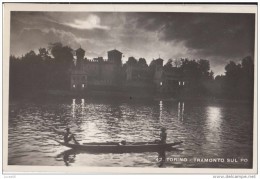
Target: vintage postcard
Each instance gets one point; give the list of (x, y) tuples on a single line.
[(129, 88)]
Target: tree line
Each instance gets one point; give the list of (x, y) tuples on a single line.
[(49, 69)]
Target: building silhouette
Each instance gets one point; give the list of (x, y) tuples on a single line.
[(95, 72), (110, 73)]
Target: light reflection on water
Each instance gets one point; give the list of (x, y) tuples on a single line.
[(180, 110), (207, 129), (213, 123)]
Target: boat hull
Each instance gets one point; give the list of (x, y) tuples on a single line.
[(116, 148)]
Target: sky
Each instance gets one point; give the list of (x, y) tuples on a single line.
[(216, 37)]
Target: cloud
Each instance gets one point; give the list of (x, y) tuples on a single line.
[(34, 38), (91, 22), (229, 35), (59, 21), (215, 37)]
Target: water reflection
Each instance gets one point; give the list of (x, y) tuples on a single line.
[(161, 159), (213, 124), (208, 130), (72, 156), (82, 102), (180, 111), (161, 111), (179, 108), (73, 105), (82, 106), (116, 111), (68, 156)]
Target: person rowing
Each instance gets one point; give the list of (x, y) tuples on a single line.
[(68, 136), (163, 135)]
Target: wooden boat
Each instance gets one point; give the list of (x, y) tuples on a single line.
[(129, 147)]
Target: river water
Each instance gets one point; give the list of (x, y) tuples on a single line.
[(210, 130)]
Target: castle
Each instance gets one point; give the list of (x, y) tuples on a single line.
[(111, 73)]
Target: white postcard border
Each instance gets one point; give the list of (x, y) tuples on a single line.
[(8, 7)]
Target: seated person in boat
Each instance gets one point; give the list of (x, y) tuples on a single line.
[(68, 136), (163, 135), (123, 142)]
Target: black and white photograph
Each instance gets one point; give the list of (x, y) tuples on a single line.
[(115, 86)]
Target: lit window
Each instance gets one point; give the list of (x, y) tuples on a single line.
[(161, 83), (183, 83), (83, 85), (74, 86), (179, 83)]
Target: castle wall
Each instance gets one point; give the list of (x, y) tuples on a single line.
[(99, 73), (108, 71), (92, 73), (91, 69), (78, 79), (137, 73)]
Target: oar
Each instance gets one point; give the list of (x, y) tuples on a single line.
[(53, 139)]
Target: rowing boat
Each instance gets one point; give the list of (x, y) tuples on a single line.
[(129, 147)]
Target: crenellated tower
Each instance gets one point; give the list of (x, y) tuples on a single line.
[(80, 53), (115, 56)]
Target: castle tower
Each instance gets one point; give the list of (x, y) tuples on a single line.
[(115, 56), (80, 53), (159, 62), (78, 75), (158, 75)]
